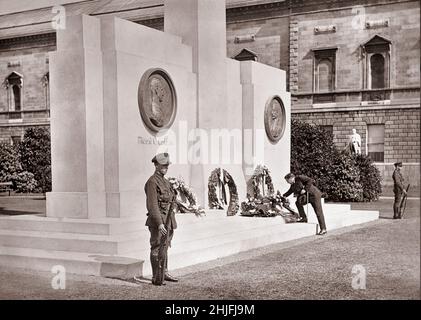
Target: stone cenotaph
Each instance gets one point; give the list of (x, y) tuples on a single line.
[(121, 93)]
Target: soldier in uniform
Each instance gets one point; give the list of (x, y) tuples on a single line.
[(158, 197), (398, 190), (300, 186)]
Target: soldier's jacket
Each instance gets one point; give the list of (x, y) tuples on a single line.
[(158, 197), (397, 181), (303, 182)]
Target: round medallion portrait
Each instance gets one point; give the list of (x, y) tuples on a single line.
[(157, 100), (275, 119)]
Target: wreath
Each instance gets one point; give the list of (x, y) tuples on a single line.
[(186, 199), (214, 183), (261, 178), (268, 206)]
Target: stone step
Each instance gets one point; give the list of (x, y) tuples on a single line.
[(73, 262), (197, 240), (106, 226), (184, 251), (102, 244)]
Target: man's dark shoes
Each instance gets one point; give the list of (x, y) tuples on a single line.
[(322, 232), (302, 220), (169, 277)]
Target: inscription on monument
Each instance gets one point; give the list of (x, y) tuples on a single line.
[(157, 100), (275, 119)]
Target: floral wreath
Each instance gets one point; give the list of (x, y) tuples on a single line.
[(188, 200), (214, 202), (262, 173)]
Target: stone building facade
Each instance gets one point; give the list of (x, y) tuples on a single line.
[(350, 65)]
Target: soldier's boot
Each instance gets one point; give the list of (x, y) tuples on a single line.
[(155, 267), (167, 276)]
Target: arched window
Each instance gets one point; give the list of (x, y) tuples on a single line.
[(324, 69), (376, 59), (13, 84), (377, 64), (16, 97), (325, 75)]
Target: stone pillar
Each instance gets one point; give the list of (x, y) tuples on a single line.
[(202, 25), (77, 141)]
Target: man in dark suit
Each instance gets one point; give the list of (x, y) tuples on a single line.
[(158, 200), (398, 190), (300, 186)]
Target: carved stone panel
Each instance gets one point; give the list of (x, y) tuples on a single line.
[(157, 100), (275, 119)]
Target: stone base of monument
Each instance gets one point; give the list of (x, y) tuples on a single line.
[(119, 248)]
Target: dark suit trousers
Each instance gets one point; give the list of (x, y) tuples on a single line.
[(316, 203), (396, 204)]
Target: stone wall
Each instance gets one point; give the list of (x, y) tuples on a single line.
[(351, 33), (32, 67), (402, 135), (401, 142)]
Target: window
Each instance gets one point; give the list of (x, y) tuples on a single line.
[(328, 129), (377, 71), (16, 140), (46, 84), (375, 142), (16, 97), (13, 84), (324, 70), (376, 57)]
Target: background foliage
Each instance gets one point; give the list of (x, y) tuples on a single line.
[(28, 164), (339, 175)]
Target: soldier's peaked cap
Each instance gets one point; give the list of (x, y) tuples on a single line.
[(398, 164), (162, 158)]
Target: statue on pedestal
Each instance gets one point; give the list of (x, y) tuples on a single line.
[(354, 142)]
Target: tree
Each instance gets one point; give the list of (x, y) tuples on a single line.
[(35, 156)]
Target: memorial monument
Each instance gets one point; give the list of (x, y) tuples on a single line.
[(121, 93)]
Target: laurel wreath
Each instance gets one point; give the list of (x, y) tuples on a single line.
[(188, 200), (262, 173), (214, 202)]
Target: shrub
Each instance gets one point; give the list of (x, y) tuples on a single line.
[(339, 175), (370, 178), (11, 170), (24, 182), (35, 156), (344, 179), (9, 162)]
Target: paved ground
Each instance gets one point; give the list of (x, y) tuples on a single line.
[(309, 268)]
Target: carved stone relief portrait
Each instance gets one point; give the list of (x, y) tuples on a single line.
[(274, 119), (157, 100)]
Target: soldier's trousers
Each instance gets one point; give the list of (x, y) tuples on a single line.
[(396, 205), (155, 241), (316, 203)]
